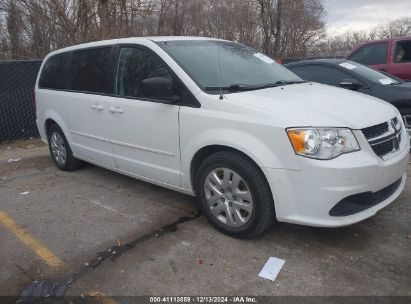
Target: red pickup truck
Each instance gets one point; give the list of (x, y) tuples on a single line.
[(389, 55)]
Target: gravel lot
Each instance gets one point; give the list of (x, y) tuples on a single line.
[(76, 217)]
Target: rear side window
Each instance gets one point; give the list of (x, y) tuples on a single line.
[(53, 75), (135, 65), (88, 71), (402, 52), (371, 54)]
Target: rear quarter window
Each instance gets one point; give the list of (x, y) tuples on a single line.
[(53, 75), (402, 52), (88, 71)]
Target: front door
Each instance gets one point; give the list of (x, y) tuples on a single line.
[(144, 133)]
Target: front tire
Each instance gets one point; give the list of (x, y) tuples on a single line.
[(234, 195), (60, 150)]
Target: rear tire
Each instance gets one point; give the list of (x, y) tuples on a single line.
[(60, 150), (230, 183)]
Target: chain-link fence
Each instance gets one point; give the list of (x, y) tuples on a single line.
[(17, 113)]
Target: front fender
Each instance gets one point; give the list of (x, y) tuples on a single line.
[(401, 104), (239, 140)]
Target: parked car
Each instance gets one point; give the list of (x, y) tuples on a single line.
[(389, 55), (357, 77), (225, 123)]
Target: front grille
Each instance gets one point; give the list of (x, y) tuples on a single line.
[(375, 131), (385, 137), (383, 148)]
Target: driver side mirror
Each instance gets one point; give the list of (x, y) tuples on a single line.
[(350, 84), (159, 88)]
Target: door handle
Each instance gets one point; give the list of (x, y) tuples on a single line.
[(116, 110), (96, 106)]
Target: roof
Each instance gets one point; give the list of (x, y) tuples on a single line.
[(316, 61), (129, 40), (387, 39), (356, 48), (171, 38)]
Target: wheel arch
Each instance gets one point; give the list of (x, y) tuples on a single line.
[(47, 125), (208, 150), (53, 118)]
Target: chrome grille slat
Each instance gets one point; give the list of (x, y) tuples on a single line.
[(382, 139)]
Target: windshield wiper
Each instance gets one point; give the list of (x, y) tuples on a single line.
[(232, 88), (277, 84), (249, 87), (285, 82)]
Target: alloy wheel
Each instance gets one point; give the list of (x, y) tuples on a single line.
[(229, 197), (58, 148)]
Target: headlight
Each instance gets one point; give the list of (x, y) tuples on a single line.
[(322, 143)]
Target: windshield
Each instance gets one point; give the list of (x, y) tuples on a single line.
[(212, 64), (369, 73)]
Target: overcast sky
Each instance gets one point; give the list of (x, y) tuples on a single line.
[(363, 14)]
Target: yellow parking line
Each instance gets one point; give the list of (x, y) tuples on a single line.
[(40, 249)]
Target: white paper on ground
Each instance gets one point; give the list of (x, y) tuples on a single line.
[(271, 268), (14, 160)]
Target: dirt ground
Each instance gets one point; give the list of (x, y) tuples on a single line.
[(115, 235)]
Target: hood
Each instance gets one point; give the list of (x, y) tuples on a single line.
[(317, 105), (404, 86), (396, 93)]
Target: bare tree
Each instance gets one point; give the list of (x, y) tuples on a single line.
[(33, 28), (277, 28), (265, 7), (103, 13), (395, 28), (15, 27), (340, 45)]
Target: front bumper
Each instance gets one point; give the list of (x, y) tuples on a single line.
[(306, 196)]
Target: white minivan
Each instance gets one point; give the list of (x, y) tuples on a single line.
[(221, 121)]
